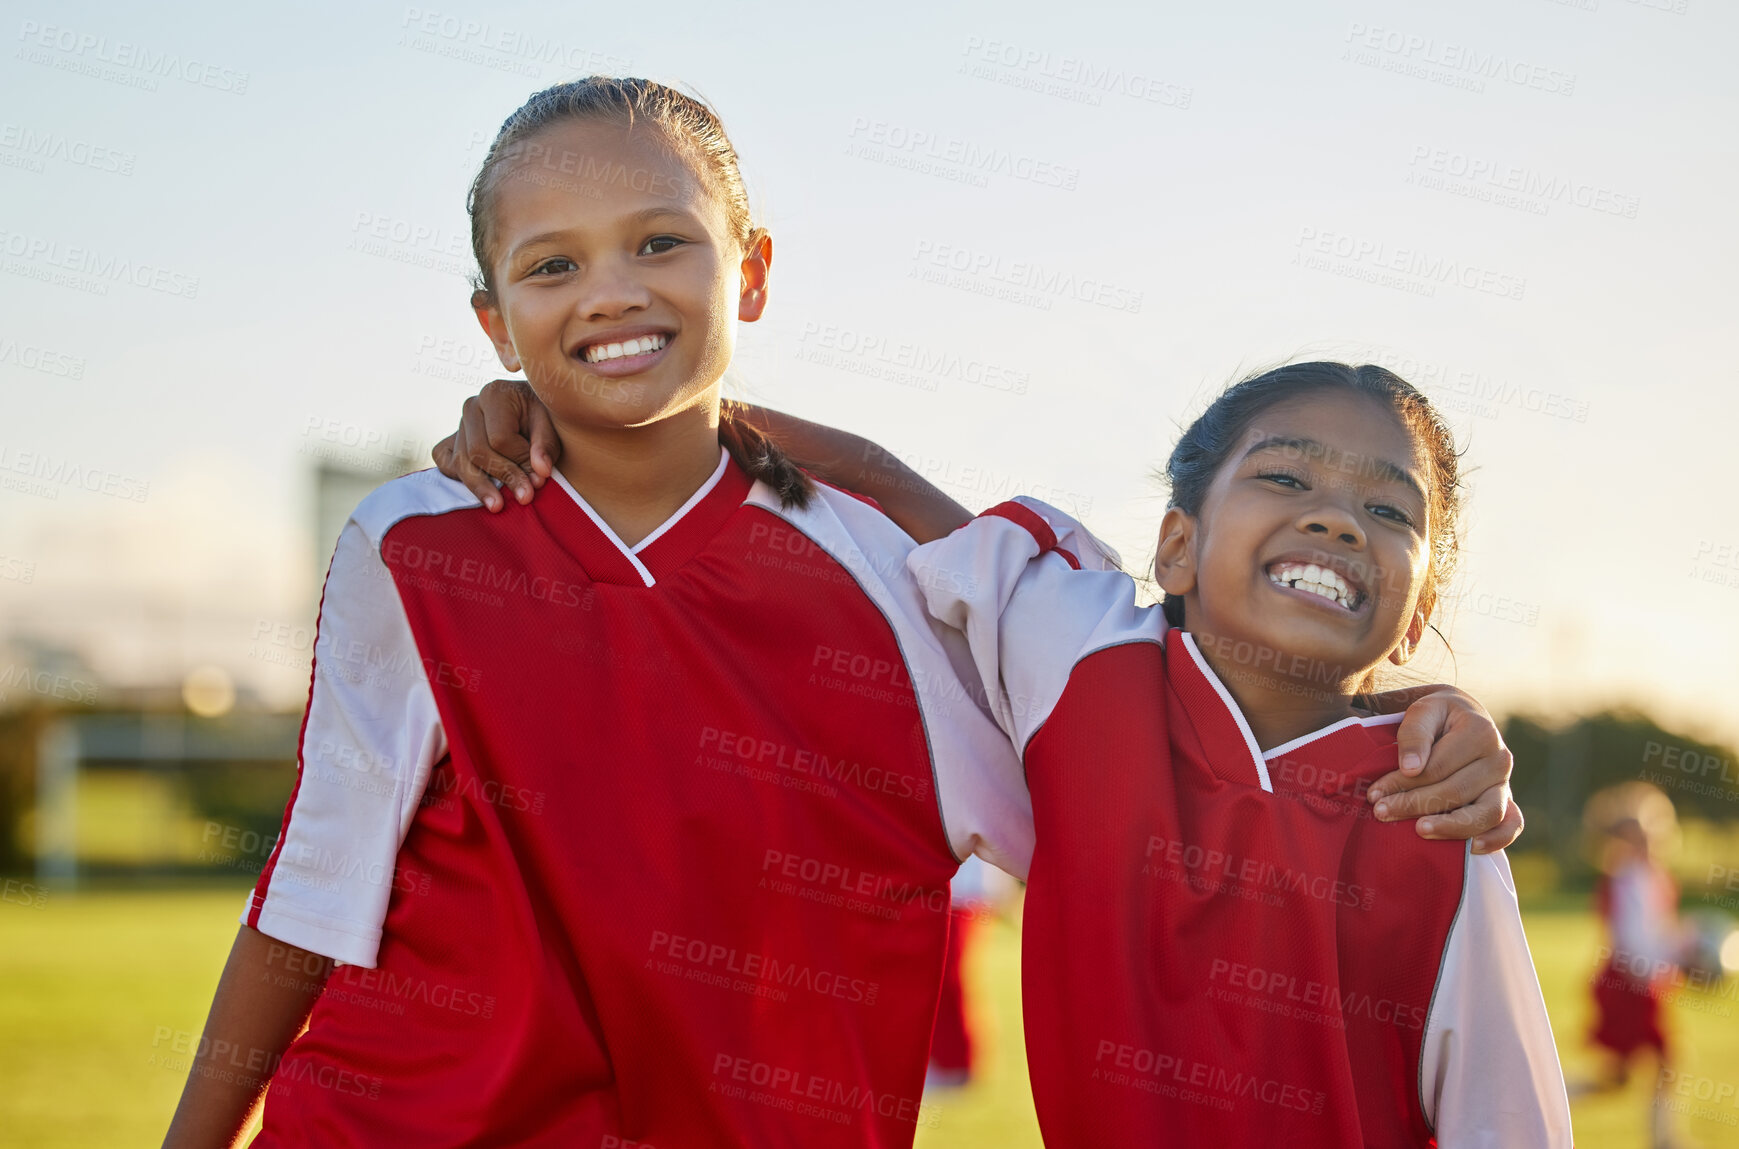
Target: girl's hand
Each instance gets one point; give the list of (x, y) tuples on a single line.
[(504, 434), (1455, 770)]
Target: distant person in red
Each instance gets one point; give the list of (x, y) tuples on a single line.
[(974, 894), (1637, 900)]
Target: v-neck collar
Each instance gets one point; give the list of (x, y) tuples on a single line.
[(1220, 723), (606, 558)]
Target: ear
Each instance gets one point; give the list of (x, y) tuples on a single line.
[(757, 265), (1409, 643), (494, 325), (1174, 564)]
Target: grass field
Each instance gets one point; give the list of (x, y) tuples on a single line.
[(99, 991)]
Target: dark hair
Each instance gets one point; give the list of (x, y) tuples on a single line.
[(1211, 439), (694, 131)]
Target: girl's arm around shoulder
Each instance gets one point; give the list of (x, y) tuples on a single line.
[(1489, 1073), (1033, 591), (505, 436)]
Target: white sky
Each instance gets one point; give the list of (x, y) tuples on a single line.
[(1286, 156)]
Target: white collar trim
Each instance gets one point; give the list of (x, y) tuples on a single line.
[(1257, 756), (1256, 759), (632, 553)]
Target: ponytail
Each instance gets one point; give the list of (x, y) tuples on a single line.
[(762, 458)]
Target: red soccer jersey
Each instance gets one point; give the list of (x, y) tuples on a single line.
[(626, 846), (1220, 946)]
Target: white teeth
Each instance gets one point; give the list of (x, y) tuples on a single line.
[(1315, 580), (646, 344)]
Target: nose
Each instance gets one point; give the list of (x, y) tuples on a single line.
[(1333, 519), (610, 291)]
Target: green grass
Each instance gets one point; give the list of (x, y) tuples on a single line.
[(90, 984)]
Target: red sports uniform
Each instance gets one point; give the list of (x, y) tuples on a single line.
[(1221, 947), (624, 846), (1639, 905)]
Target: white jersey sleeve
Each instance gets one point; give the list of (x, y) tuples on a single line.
[(369, 741), (1488, 1071), (980, 790), (1034, 592)]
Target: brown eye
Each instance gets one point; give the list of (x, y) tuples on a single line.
[(1385, 511), (659, 244)]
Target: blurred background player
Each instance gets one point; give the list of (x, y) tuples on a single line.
[(1635, 826)]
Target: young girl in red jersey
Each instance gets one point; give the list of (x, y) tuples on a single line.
[(628, 816), (1220, 947)]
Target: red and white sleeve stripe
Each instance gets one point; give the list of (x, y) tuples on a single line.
[(1034, 592)]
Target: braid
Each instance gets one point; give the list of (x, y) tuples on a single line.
[(763, 458)]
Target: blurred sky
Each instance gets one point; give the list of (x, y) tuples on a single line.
[(233, 240)]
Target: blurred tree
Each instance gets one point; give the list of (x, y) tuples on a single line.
[(1558, 767)]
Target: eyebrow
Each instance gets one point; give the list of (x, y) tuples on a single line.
[(640, 218), (1382, 468)]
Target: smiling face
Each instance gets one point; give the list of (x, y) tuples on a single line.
[(1312, 544), (616, 278)]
